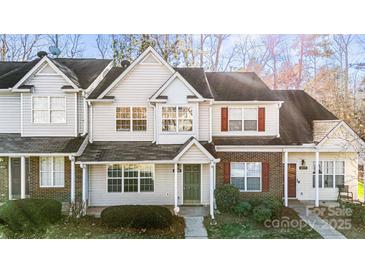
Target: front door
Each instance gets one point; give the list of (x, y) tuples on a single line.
[(292, 180), (191, 184)]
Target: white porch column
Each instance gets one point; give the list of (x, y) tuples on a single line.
[(176, 208), (211, 190), (85, 184), (286, 203), (73, 187), (317, 179), (22, 177), (215, 183)]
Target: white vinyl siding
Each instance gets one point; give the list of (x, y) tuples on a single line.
[(193, 155), (271, 121), (80, 110), (305, 189), (163, 188), (204, 121), (49, 85), (134, 90), (9, 113)]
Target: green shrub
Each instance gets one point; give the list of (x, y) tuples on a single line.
[(262, 213), (30, 214), (358, 213), (274, 204), (137, 216), (242, 209), (255, 201), (226, 197)]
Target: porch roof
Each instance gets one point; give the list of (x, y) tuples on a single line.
[(13, 143), (134, 151)]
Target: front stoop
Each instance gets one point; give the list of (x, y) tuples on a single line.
[(318, 224), (194, 228)]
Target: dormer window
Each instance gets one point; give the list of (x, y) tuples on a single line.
[(243, 119), (177, 119), (49, 110)]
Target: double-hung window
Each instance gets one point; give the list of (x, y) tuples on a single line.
[(52, 171), (131, 119), (49, 110), (243, 119), (177, 119), (246, 176), (331, 174), (131, 178)]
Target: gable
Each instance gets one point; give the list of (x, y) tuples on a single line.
[(150, 59), (177, 92), (140, 83), (342, 137), (46, 69), (193, 155)]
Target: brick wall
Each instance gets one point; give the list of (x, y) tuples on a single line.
[(276, 170), (4, 179), (60, 194)]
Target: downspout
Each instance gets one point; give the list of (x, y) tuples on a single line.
[(154, 122), (86, 116), (91, 122)]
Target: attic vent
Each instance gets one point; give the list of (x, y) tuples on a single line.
[(41, 54), (125, 63)]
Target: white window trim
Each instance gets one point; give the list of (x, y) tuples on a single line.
[(177, 131), (139, 178), (49, 110), (245, 164), (130, 119), (243, 119), (333, 175), (52, 172)]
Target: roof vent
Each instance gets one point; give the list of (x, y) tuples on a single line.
[(41, 54), (125, 63)]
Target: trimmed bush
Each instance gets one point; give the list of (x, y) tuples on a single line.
[(226, 197), (262, 213), (274, 204), (28, 215), (255, 201), (243, 209), (137, 216)]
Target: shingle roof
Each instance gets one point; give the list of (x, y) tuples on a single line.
[(82, 72), (133, 151), (297, 114), (12, 72), (109, 78), (239, 86), (14, 143)]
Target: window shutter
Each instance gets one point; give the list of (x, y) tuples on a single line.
[(224, 119), (265, 177), (261, 119), (227, 172)]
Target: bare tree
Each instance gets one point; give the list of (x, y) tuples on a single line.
[(4, 47), (103, 44), (75, 47)]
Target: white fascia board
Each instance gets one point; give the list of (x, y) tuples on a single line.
[(312, 148), (254, 102), (133, 64), (124, 162), (36, 154), (170, 80), (201, 148), (45, 59), (98, 79), (332, 131), (100, 100)]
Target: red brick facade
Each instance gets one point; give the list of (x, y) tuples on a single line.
[(276, 170), (61, 194)]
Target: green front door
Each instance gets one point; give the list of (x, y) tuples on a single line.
[(192, 184)]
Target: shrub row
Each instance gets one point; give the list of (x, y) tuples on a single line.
[(28, 215), (357, 214), (137, 216), (228, 200)]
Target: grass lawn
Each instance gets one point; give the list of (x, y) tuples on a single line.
[(361, 190), (92, 228), (231, 226)]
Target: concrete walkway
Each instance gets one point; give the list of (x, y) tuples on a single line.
[(194, 217), (194, 228), (315, 222)]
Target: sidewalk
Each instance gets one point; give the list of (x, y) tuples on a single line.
[(318, 224)]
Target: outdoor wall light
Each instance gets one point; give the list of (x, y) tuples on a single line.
[(303, 162)]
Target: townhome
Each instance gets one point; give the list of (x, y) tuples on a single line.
[(149, 133)]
